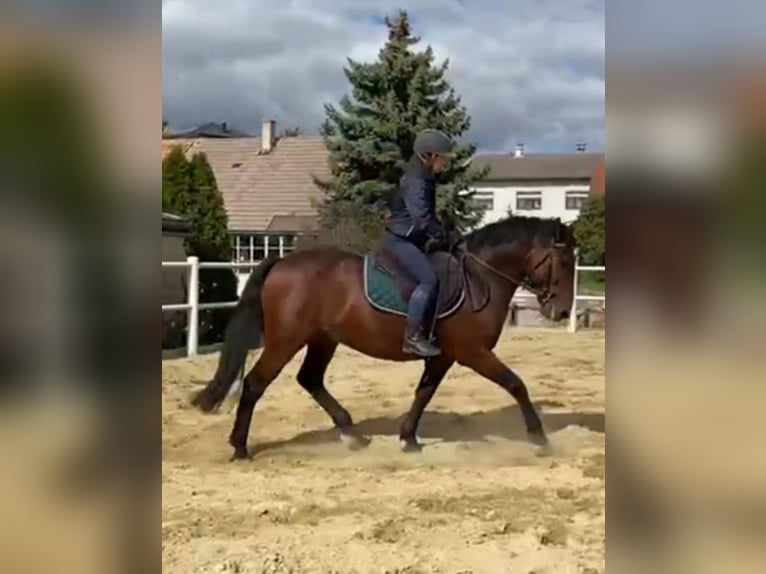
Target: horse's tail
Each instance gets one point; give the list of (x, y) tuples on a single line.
[(243, 333)]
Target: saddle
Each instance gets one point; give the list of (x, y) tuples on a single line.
[(388, 286)]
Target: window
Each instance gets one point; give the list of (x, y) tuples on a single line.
[(529, 200), (239, 248), (576, 199), (247, 248), (256, 247), (485, 200), (284, 244)]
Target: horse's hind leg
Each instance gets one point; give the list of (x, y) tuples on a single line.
[(311, 377), (266, 369)]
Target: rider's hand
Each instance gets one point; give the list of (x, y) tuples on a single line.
[(452, 240), (433, 244)]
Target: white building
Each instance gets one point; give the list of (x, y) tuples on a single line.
[(540, 185)]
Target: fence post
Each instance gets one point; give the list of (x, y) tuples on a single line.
[(192, 334), (575, 286)]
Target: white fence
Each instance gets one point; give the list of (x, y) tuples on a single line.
[(193, 306), (577, 297)]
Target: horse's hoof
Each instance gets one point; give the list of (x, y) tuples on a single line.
[(411, 446), (539, 440), (354, 441), (240, 453)]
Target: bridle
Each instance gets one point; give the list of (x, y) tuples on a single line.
[(544, 293)]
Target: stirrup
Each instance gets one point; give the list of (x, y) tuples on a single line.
[(417, 344)]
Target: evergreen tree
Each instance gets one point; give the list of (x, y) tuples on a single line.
[(208, 215), (176, 181), (371, 135), (590, 231), (189, 189)]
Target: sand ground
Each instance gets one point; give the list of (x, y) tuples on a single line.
[(478, 499)]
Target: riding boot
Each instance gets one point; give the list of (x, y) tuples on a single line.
[(414, 340), (416, 343)]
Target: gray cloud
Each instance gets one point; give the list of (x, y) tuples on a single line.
[(529, 71)]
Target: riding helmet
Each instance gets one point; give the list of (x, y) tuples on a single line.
[(432, 142)]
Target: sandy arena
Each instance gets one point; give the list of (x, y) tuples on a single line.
[(478, 499)]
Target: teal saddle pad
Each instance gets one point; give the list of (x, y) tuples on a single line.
[(388, 288)]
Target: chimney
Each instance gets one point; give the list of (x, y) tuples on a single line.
[(519, 152), (267, 135), (581, 146)]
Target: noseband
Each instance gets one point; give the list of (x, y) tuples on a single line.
[(544, 294)]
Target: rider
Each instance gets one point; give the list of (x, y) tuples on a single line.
[(412, 224)]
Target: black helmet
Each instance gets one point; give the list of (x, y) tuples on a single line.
[(432, 141)]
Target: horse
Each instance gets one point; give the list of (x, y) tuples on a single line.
[(324, 297)]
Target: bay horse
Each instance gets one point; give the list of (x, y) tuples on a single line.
[(320, 298)]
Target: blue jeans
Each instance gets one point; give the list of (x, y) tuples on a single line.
[(416, 263)]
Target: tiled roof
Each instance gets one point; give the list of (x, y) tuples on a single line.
[(543, 166), (293, 223), (255, 186), (209, 130)]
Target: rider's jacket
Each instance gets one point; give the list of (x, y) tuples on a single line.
[(413, 208)]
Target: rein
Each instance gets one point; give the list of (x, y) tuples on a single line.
[(543, 294)]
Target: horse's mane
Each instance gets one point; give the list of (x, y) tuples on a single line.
[(519, 228)]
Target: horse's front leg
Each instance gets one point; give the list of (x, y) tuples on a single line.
[(433, 374), (485, 363)]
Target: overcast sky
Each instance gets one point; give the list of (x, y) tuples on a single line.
[(529, 71)]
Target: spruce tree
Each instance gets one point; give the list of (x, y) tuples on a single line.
[(370, 135)]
